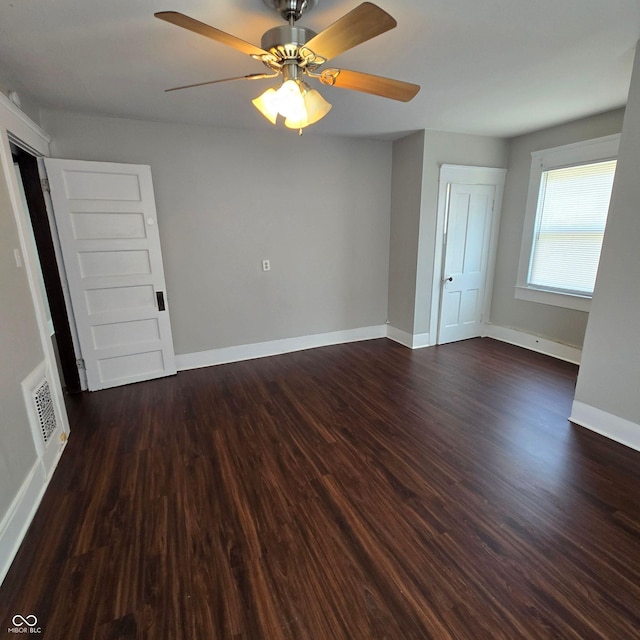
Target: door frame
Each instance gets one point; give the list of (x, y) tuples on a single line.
[(463, 174), (19, 129)]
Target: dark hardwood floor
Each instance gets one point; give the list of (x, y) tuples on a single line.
[(354, 492)]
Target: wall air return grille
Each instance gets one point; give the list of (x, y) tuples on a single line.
[(40, 406), (44, 410)]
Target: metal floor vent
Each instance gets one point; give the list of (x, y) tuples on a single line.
[(44, 410)]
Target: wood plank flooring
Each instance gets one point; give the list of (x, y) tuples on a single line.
[(355, 492)]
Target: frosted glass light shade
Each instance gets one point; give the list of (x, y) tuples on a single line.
[(316, 108), (295, 101), (266, 104), (290, 100)]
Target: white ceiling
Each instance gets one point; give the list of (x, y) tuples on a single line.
[(494, 67)]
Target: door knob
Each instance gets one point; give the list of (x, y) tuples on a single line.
[(449, 279)]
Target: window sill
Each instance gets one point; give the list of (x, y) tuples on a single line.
[(579, 303)]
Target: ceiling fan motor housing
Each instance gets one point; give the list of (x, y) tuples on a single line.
[(285, 36), (291, 10), (287, 50)]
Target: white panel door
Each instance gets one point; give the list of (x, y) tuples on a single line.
[(107, 224), (468, 234)]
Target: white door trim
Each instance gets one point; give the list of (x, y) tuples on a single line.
[(16, 127), (462, 174)]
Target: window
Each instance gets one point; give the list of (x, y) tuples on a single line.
[(572, 213), (569, 194)]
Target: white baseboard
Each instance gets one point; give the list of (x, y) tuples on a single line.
[(534, 343), (606, 424), (413, 341), (21, 511), (275, 347), (16, 521), (241, 352)]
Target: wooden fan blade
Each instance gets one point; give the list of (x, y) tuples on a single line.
[(180, 20), (367, 83), (363, 23), (251, 76)]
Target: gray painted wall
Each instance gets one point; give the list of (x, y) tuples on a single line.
[(406, 202), (20, 353), (318, 208), (554, 323), (609, 377)]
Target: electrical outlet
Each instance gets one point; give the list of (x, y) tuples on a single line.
[(266, 265)]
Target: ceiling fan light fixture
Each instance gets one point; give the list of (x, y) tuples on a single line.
[(298, 103)]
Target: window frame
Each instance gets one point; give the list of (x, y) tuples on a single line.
[(586, 152)]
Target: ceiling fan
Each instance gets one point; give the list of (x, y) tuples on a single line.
[(292, 53)]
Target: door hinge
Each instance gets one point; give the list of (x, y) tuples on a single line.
[(45, 185), (80, 364)]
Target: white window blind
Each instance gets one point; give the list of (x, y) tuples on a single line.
[(571, 216)]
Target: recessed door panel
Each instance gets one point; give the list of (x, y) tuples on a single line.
[(451, 316), (117, 369), (107, 226), (469, 308), (101, 185), (117, 334), (96, 264), (119, 299)]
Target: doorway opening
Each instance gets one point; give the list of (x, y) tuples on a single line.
[(28, 177)]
